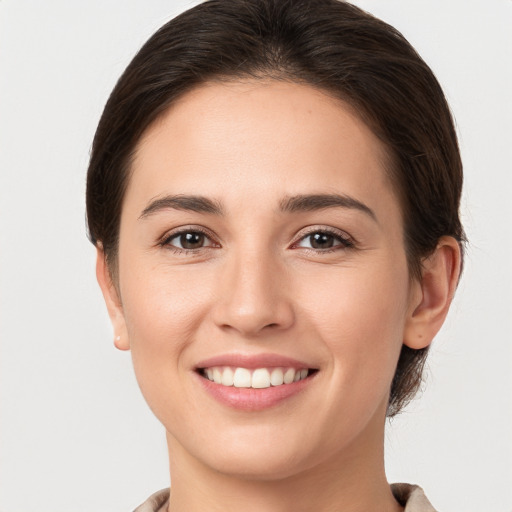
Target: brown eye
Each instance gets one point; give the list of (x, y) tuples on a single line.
[(325, 240), (191, 240), (188, 240), (321, 240)]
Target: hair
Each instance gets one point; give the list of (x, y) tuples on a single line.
[(328, 44)]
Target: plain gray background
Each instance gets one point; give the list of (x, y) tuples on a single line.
[(75, 432)]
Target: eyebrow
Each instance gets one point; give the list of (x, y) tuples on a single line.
[(189, 203), (291, 204), (312, 202)]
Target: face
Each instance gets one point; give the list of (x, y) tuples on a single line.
[(263, 282)]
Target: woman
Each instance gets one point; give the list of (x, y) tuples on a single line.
[(273, 192)]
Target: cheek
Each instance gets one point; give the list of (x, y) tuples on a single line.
[(366, 295), (163, 312), (360, 325), (360, 316)]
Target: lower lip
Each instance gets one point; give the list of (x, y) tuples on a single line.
[(250, 399)]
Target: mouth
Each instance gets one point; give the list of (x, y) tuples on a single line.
[(254, 382), (255, 378)]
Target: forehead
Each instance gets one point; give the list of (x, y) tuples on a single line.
[(236, 140)]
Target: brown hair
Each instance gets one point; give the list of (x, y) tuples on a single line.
[(328, 44)]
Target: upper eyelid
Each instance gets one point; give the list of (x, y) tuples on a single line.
[(326, 229), (188, 229), (169, 235), (323, 229)]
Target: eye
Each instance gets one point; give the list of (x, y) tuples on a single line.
[(188, 240), (325, 240)]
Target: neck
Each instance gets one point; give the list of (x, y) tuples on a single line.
[(352, 481)]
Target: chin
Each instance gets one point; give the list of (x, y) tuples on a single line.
[(264, 467), (264, 456)]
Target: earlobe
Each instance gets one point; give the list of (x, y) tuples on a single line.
[(112, 301), (433, 294)]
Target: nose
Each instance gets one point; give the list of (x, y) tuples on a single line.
[(253, 296)]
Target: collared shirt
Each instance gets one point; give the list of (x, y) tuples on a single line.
[(409, 496)]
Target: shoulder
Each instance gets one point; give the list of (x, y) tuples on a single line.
[(412, 498), (157, 502)]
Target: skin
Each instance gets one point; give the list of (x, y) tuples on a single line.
[(259, 285)]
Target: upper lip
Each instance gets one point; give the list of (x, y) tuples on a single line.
[(252, 361)]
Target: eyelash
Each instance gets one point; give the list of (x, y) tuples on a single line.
[(345, 242), (166, 241)]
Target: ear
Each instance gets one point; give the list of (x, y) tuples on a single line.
[(432, 295), (112, 300)]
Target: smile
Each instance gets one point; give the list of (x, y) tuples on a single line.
[(254, 382), (257, 378)]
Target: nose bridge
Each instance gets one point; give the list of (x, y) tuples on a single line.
[(253, 293)]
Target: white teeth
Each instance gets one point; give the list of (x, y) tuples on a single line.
[(227, 377), (217, 375), (258, 378), (289, 375), (276, 377), (242, 378)]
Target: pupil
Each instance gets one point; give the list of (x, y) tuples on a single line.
[(321, 241), (192, 240)]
